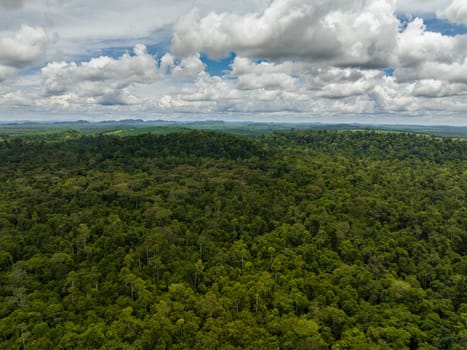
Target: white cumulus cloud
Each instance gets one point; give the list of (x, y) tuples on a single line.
[(102, 80), (356, 33), (25, 48), (428, 55), (437, 88), (456, 12), (186, 67), (108, 81), (263, 75)]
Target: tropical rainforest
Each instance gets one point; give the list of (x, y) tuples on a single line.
[(201, 240)]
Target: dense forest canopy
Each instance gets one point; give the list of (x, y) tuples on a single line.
[(198, 240)]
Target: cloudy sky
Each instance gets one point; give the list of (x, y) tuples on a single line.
[(378, 61)]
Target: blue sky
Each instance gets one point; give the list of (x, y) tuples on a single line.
[(436, 24), (378, 61), (443, 26)]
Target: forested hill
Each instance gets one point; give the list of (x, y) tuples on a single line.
[(197, 240), (96, 149)]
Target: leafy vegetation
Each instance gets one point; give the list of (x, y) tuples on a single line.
[(198, 240)]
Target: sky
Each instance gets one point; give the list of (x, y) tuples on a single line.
[(328, 61)]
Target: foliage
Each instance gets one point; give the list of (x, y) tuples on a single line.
[(197, 240)]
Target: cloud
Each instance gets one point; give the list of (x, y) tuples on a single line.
[(452, 72), (456, 12), (11, 4), (88, 26), (315, 91), (208, 94), (6, 72), (187, 67), (357, 33), (422, 6), (318, 59), (26, 48), (102, 80), (108, 81), (266, 87), (13, 97), (432, 88), (263, 75), (427, 55), (416, 45)]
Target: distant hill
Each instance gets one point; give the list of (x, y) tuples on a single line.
[(131, 127)]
